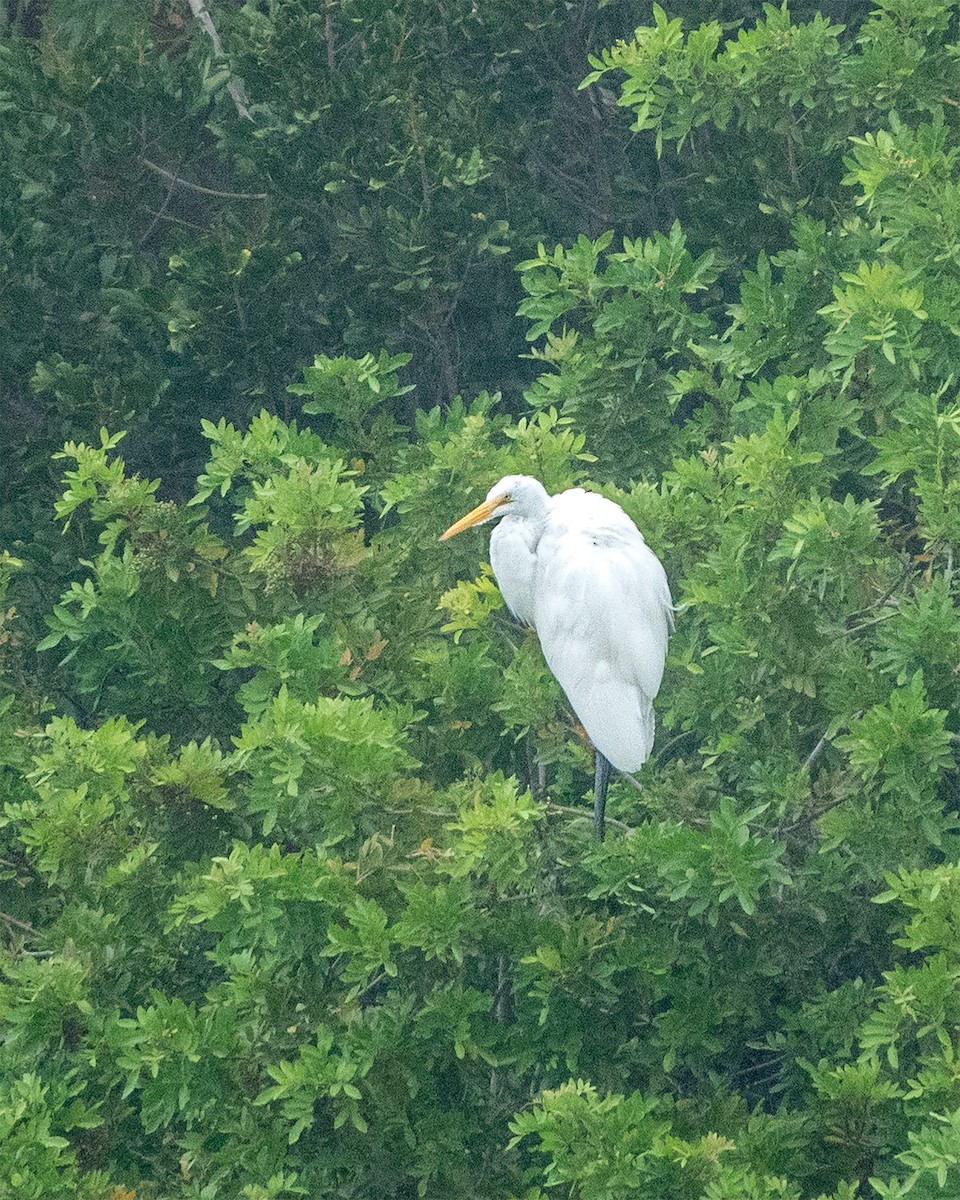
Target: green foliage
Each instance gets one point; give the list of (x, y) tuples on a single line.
[(298, 894), (611, 329), (347, 390), (766, 112), (296, 754), (619, 1146), (37, 1161)]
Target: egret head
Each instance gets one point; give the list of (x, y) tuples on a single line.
[(520, 495)]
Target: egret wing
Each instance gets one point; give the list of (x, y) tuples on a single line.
[(603, 613)]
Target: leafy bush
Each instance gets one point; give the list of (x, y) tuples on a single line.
[(296, 876)]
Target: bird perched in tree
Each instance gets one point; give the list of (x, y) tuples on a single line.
[(576, 568)]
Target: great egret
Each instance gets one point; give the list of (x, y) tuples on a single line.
[(576, 568)]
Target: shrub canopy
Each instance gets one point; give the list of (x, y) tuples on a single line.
[(297, 887)]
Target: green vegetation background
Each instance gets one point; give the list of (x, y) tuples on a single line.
[(298, 895)]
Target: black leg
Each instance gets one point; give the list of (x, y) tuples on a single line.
[(601, 777)]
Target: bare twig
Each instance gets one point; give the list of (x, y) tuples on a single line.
[(178, 221), (587, 816), (824, 742), (761, 1066), (792, 157), (809, 817), (414, 122), (195, 187), (234, 87), (328, 33), (241, 315), (815, 814), (815, 753), (504, 992), (877, 620), (10, 920), (158, 216), (883, 602), (668, 746), (377, 979)]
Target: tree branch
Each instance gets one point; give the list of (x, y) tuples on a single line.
[(7, 919), (583, 815), (235, 88), (176, 181)]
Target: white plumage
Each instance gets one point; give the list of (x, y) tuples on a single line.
[(576, 568)]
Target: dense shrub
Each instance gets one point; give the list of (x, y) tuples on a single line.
[(296, 872)]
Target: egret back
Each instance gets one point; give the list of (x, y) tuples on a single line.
[(603, 612)]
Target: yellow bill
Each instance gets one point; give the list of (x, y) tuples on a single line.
[(481, 513)]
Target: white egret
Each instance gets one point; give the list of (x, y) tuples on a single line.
[(576, 568)]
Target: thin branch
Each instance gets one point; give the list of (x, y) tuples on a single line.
[(883, 602), (815, 814), (824, 742), (328, 33), (668, 746), (241, 316), (809, 817), (178, 221), (587, 816), (877, 620), (792, 157), (761, 1066), (377, 979), (195, 187), (9, 920), (234, 87), (815, 753), (158, 216)]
